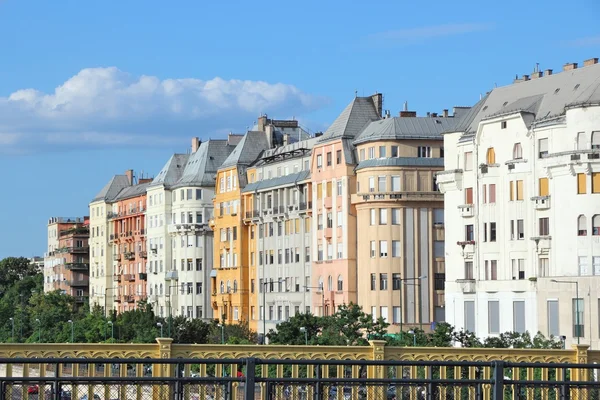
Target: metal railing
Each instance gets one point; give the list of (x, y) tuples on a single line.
[(255, 378)]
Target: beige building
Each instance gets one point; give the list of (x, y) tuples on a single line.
[(400, 219)]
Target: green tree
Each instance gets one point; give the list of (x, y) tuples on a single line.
[(47, 315), (350, 325), (289, 332), (13, 269), (190, 331)]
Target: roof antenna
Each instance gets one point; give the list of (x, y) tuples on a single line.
[(406, 106), (537, 67)]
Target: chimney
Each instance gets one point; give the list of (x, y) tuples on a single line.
[(408, 114), (548, 72), (262, 122), (387, 114), (129, 175), (445, 113), (569, 66), (145, 180), (590, 61), (428, 114), (536, 72), (195, 144), (377, 99), (433, 115), (525, 78)]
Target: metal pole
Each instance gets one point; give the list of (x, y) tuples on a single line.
[(264, 316), (401, 311), (112, 332), (577, 310), (12, 321), (223, 334)]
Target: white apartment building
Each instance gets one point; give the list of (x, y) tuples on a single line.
[(101, 261), (279, 192), (180, 204), (522, 208)]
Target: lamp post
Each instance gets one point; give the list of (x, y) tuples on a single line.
[(576, 304), (12, 322), (402, 280), (112, 330), (412, 332), (320, 287), (37, 320), (106, 299), (222, 326), (159, 324), (303, 330), (72, 331)]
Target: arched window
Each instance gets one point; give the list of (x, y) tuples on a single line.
[(150, 290), (491, 156), (156, 288), (320, 283), (340, 286), (235, 286), (581, 141), (161, 288), (228, 286), (517, 151), (581, 225), (330, 283), (596, 225), (222, 287)]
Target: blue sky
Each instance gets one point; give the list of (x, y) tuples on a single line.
[(90, 89)]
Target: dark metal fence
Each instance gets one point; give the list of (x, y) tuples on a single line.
[(269, 379)]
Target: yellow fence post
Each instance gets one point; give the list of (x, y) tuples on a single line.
[(376, 371), (164, 370), (580, 374)]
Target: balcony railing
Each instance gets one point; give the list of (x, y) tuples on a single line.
[(77, 266), (73, 250), (130, 255), (143, 254), (117, 257), (143, 276), (126, 213), (171, 275), (117, 278), (467, 285), (78, 283), (129, 298), (129, 277), (541, 202), (79, 231), (80, 299)]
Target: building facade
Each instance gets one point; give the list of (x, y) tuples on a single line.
[(522, 195), (277, 223)]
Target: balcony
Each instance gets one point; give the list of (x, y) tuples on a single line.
[(468, 248), (79, 231), (117, 257), (171, 276), (152, 298), (129, 255), (466, 210), (143, 254), (467, 286), (143, 276), (129, 298), (73, 250), (80, 299), (185, 228), (542, 244), (116, 278), (541, 202), (328, 202), (78, 283), (77, 266), (117, 299), (129, 277), (304, 206), (449, 180), (328, 233), (111, 215)]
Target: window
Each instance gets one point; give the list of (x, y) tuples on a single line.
[(578, 322), (371, 184), (395, 183), (491, 270), (424, 152), (381, 183), (395, 216), (371, 153), (519, 316), (517, 151), (518, 268), (396, 315), (581, 225), (373, 216), (581, 142), (339, 187), (543, 147), (319, 160), (373, 249), (581, 184), (553, 325), (339, 219), (469, 161), (469, 324), (383, 216), (494, 316), (519, 190), (329, 159), (382, 152), (543, 187), (362, 154), (596, 265), (469, 196), (340, 283), (503, 125), (383, 248), (469, 270), (395, 248), (596, 225), (490, 156), (583, 267), (338, 157), (469, 234), (520, 229), (396, 281), (492, 189), (544, 226), (492, 231), (485, 232), (373, 282), (395, 150), (383, 282), (596, 182), (544, 267), (439, 281)]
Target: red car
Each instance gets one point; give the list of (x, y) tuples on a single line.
[(35, 389)]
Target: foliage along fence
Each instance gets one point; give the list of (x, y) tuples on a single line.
[(517, 364)]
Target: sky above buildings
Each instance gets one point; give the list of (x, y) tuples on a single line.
[(90, 89)]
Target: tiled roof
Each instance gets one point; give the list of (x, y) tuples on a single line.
[(405, 128), (112, 188), (202, 166), (172, 171), (277, 182), (132, 191), (285, 152), (352, 120), (544, 97), (401, 162)]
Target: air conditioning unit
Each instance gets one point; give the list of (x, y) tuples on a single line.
[(575, 157), (511, 167), (593, 156)]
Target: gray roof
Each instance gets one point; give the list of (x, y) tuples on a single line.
[(286, 180), (112, 188), (405, 128), (352, 120), (202, 166), (546, 97), (286, 152), (247, 151), (172, 171), (132, 191), (401, 162)]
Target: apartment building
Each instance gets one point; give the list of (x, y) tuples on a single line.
[(522, 195), (231, 280), (277, 223), (334, 250), (66, 264), (128, 242), (400, 215), (101, 258), (180, 204)]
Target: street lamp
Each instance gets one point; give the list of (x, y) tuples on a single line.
[(37, 320), (106, 299), (112, 330), (412, 332), (402, 280), (159, 324), (303, 330), (72, 331), (12, 321), (576, 304), (222, 326)]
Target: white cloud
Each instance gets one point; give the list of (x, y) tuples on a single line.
[(106, 106), (411, 35)]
